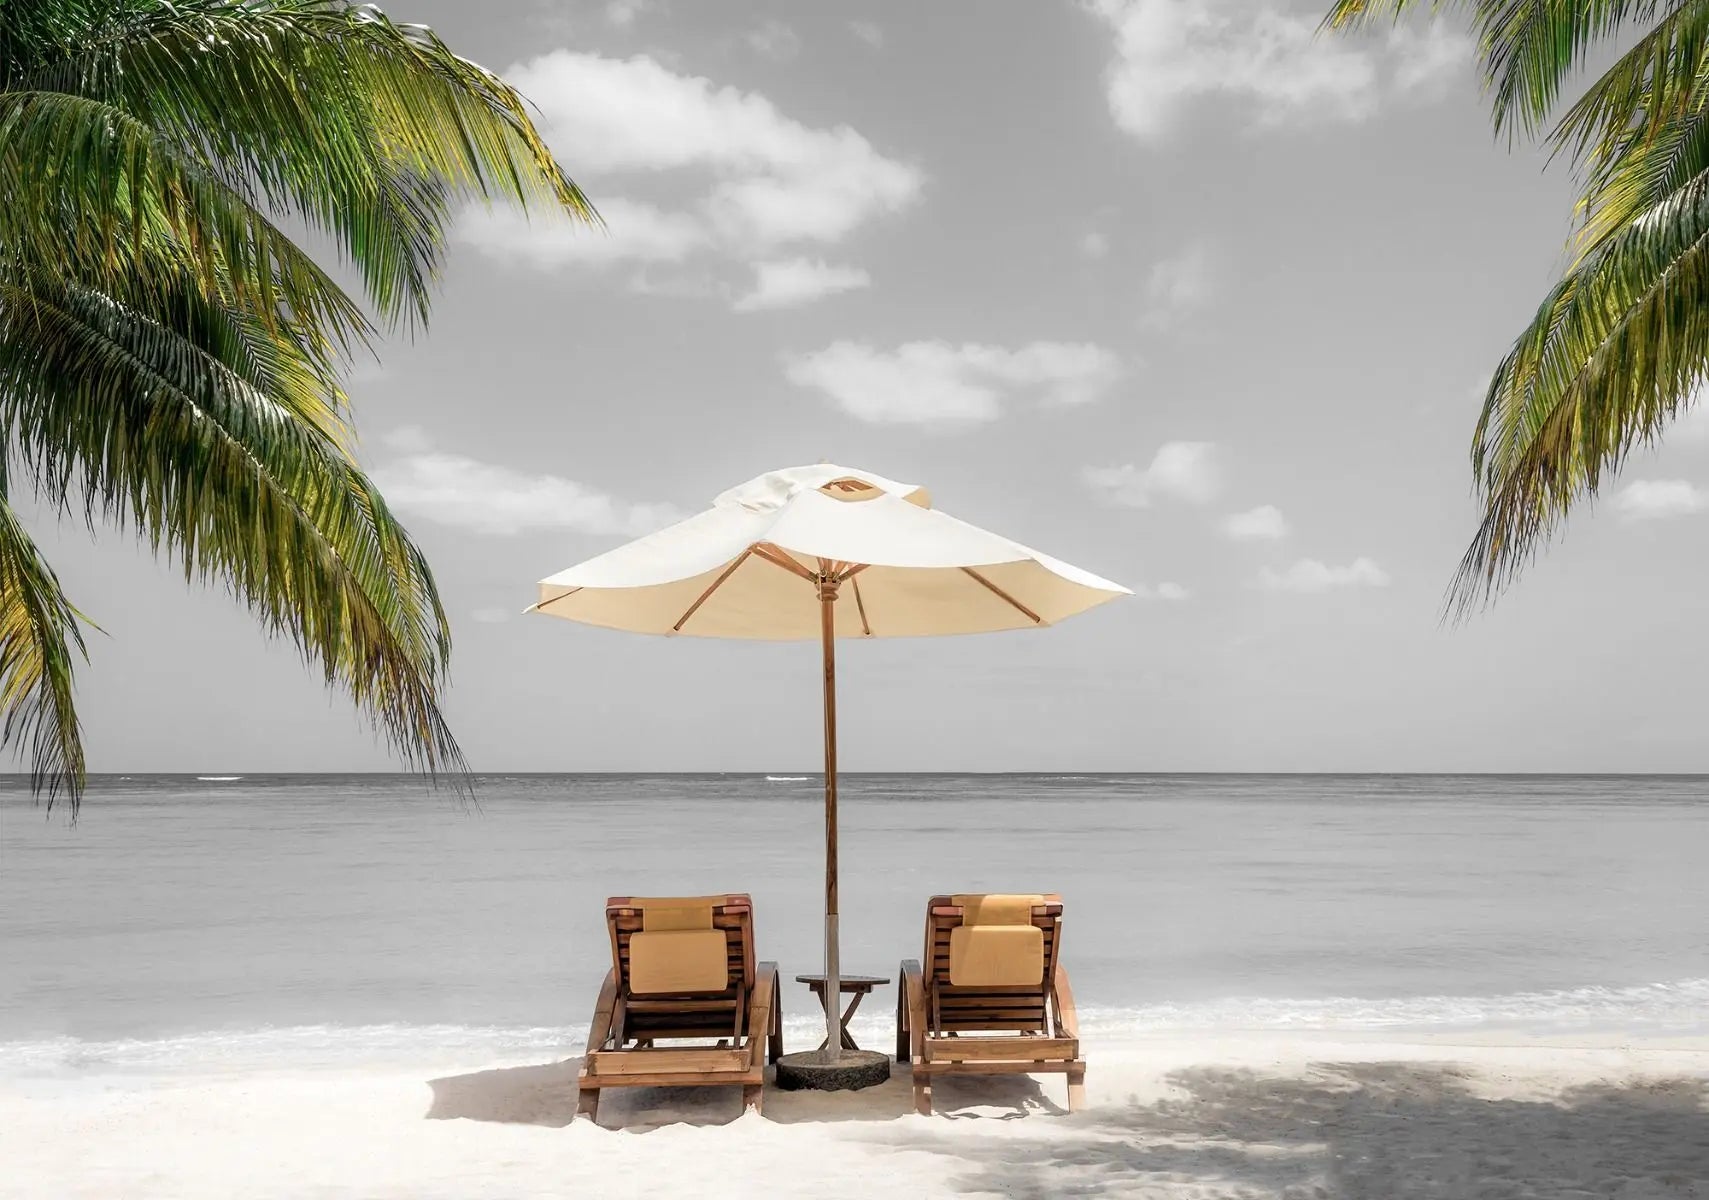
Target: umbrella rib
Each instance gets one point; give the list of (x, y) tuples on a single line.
[(541, 607), (778, 558), (716, 584), (860, 605), (1014, 603)]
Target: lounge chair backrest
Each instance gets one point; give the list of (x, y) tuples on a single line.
[(983, 946), (682, 945)]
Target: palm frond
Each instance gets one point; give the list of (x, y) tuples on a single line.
[(1641, 172), (156, 431), (366, 128), (39, 644), (1618, 348), (1651, 87), (1355, 14), (1528, 48), (95, 195)]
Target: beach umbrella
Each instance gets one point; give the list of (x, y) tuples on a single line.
[(820, 553)]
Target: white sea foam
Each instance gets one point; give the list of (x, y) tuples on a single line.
[(1676, 1007), (1648, 1009), (786, 778), (287, 1047)]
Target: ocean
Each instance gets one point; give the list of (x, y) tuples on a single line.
[(229, 924)]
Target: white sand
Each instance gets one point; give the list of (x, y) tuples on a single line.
[(1302, 1116)]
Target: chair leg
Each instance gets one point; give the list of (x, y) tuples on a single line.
[(587, 1104), (753, 1096), (1076, 1090), (923, 1094)]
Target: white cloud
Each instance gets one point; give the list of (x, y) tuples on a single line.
[(788, 282), (634, 231), (678, 284), (1426, 62), (1179, 470), (924, 383), (1163, 591), (774, 40), (1658, 499), (1264, 523), (1275, 64), (491, 616), (452, 489), (758, 180), (1180, 284), (407, 439), (867, 32), (1094, 245), (622, 13), (1308, 575)]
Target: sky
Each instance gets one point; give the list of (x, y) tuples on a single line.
[(1175, 290)]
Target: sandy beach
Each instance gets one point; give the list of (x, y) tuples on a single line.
[(1212, 1116)]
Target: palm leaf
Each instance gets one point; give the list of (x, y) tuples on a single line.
[(1528, 47), (1649, 84), (1640, 174), (1615, 352), (94, 194), (366, 128), (161, 429), (39, 644)]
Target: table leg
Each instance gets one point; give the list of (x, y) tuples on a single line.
[(848, 1013)]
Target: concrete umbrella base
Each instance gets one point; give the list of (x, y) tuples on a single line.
[(813, 1069)]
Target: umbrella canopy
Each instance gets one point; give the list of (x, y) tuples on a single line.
[(923, 572), (771, 559)]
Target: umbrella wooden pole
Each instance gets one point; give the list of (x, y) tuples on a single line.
[(833, 967)]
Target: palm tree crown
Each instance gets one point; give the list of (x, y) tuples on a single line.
[(170, 358)]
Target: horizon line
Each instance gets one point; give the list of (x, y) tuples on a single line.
[(230, 774)]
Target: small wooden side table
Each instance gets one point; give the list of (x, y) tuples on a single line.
[(858, 986)]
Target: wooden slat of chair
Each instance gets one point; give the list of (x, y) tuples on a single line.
[(1022, 1048)]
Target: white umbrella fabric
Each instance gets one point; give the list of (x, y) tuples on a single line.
[(771, 559)]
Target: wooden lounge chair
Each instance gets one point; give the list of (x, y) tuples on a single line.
[(992, 997), (683, 969)]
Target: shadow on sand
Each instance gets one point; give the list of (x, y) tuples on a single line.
[(1386, 1131), (546, 1095), (542, 1095)]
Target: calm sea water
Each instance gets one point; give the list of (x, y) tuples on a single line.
[(315, 920)]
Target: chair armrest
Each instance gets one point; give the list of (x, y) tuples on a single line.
[(912, 994), (599, 1031), (760, 1004), (1067, 1020)]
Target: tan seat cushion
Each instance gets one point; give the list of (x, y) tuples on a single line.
[(996, 909), (996, 955), (678, 960)]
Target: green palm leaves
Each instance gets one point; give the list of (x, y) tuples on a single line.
[(170, 358), (1620, 346)]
